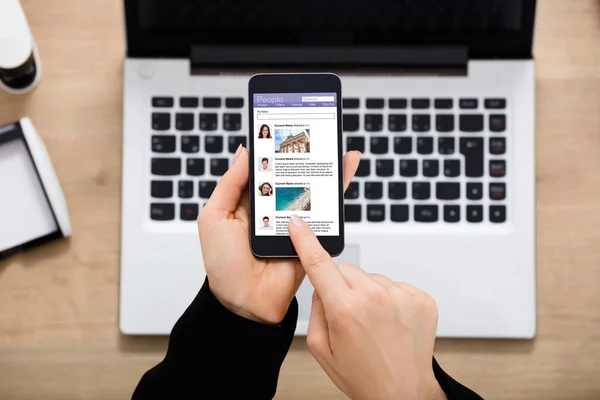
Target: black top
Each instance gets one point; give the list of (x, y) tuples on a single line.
[(215, 354)]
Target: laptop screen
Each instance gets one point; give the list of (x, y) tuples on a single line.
[(274, 20), (489, 28)]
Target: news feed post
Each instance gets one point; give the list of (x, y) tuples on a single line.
[(295, 145)]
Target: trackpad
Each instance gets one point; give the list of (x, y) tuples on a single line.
[(349, 255)]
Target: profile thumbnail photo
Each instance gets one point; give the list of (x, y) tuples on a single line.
[(292, 140), (292, 198)]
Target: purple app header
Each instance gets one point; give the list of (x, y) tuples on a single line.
[(276, 100)]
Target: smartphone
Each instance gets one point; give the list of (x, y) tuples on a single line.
[(295, 160)]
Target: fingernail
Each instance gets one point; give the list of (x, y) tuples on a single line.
[(237, 153), (296, 221), (359, 153)]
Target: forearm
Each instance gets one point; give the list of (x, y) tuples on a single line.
[(452, 389), (214, 353)]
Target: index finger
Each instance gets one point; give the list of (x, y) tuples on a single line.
[(320, 268)]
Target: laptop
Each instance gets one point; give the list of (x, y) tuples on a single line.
[(438, 95)]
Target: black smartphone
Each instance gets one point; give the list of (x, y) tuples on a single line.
[(295, 160)]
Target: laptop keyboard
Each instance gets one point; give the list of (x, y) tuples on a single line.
[(440, 160)]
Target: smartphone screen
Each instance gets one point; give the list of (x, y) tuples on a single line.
[(296, 161)]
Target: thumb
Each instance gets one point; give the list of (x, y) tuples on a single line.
[(317, 336), (228, 192)]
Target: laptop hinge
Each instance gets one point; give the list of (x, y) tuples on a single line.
[(343, 59)]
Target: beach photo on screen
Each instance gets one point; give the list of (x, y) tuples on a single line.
[(292, 140), (292, 198)]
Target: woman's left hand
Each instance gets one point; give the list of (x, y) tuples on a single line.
[(257, 289)]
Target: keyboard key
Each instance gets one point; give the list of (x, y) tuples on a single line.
[(443, 104), (376, 212), (474, 190), (497, 123), (497, 146), (409, 168), (184, 121), (186, 189), (420, 104), (397, 122), (497, 214), (468, 104), (350, 122), (384, 168), (421, 122), (161, 121), (497, 191), (355, 143), (213, 144), (352, 192), (451, 213), (234, 102), (208, 121), (232, 122), (350, 103), (399, 213), (497, 168), (195, 166), (218, 166), (474, 214), (211, 102), (375, 103), (431, 168), (472, 149), (188, 211), (444, 123), (425, 145), (495, 104), (190, 143), (205, 188), (379, 145), (446, 145), (162, 102), (421, 190), (166, 166), (397, 190), (188, 102), (426, 213), (402, 145), (161, 189), (364, 168), (163, 143), (397, 103), (352, 212), (373, 190), (373, 122), (471, 122), (234, 142), (451, 168), (447, 190), (162, 211)]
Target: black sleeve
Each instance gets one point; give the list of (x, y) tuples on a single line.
[(216, 354), (453, 389)]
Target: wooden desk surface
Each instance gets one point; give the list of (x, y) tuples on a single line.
[(58, 304)]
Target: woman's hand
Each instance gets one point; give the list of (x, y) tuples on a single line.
[(257, 289), (372, 336)]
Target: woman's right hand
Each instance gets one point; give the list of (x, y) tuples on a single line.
[(372, 336)]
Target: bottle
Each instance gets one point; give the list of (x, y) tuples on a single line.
[(20, 69)]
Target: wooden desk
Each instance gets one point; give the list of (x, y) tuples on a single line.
[(58, 304)]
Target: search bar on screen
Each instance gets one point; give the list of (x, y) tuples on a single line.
[(301, 116), (317, 98)]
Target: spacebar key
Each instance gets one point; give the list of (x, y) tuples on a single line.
[(472, 149)]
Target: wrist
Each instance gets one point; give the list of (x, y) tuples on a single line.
[(437, 393)]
